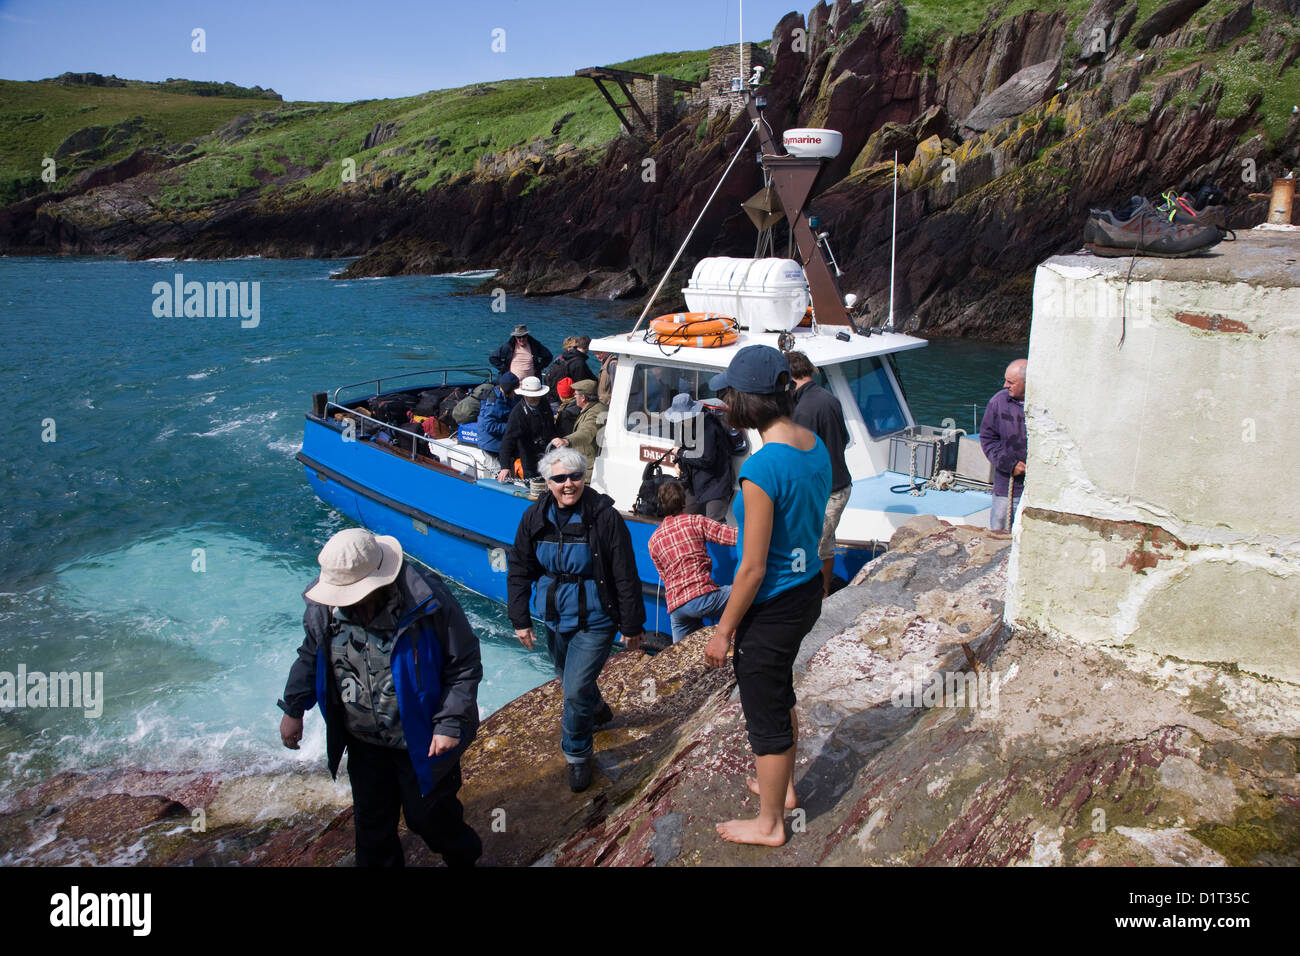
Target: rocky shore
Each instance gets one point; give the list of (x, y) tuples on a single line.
[(930, 734)]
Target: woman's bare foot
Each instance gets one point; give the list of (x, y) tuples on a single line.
[(791, 801), (753, 832)]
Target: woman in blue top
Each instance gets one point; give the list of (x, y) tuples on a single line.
[(777, 594)]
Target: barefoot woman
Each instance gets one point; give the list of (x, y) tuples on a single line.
[(777, 594)]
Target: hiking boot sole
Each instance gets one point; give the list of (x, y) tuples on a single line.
[(1115, 252)]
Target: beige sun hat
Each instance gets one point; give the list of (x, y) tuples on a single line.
[(532, 387), (354, 563)]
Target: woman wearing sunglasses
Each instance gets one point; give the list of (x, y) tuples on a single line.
[(573, 545), (776, 596)]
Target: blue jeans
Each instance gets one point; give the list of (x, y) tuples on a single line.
[(689, 618), (578, 657)]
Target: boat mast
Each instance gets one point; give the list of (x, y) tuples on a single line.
[(893, 238), (793, 177)]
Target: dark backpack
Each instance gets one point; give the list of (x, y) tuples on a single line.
[(393, 409), (647, 496)]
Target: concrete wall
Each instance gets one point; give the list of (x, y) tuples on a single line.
[(1162, 497)]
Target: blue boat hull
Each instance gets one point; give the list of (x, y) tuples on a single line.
[(462, 528)]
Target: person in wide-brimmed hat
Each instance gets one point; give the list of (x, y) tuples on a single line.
[(370, 617), (703, 456), (776, 595), (529, 431), (521, 354)]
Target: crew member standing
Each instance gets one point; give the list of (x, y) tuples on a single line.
[(1006, 444), (819, 411)]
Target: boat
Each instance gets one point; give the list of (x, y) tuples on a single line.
[(435, 495)]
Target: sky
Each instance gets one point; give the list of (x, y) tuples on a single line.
[(346, 50)]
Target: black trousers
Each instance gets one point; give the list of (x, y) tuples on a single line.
[(383, 781)]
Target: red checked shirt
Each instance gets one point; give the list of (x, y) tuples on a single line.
[(678, 550)]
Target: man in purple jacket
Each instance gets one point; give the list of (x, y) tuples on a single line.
[(1005, 444)]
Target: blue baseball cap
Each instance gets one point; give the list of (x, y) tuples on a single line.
[(754, 369), (508, 380)]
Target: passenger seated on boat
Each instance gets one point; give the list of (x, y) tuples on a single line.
[(522, 354), (680, 552), (529, 431), (493, 414), (703, 455), (566, 417), (589, 432)]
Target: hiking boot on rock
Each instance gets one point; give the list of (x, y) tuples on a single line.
[(1140, 229)]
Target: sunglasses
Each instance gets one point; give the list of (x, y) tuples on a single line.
[(572, 476)]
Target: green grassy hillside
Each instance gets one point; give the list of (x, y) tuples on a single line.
[(439, 134), (36, 118)]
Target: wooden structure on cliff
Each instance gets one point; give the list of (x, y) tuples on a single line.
[(650, 97)]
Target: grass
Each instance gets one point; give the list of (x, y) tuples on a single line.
[(37, 117), (440, 134)]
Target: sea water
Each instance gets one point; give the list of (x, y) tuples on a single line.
[(155, 528)]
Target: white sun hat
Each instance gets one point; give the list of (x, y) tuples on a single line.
[(531, 387), (354, 563)]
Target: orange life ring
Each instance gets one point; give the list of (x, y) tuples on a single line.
[(693, 323), (711, 340)]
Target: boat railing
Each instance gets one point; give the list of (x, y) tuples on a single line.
[(378, 383), (418, 438)]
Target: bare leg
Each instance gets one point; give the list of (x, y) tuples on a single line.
[(828, 573), (791, 801), (768, 828)]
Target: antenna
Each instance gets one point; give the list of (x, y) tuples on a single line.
[(893, 238)]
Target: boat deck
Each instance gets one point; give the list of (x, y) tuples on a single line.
[(875, 494)]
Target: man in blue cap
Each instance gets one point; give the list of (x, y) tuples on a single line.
[(492, 417)]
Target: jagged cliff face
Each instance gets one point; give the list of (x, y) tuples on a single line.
[(1008, 136)]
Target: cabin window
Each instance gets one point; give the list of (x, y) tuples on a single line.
[(652, 391), (874, 394)]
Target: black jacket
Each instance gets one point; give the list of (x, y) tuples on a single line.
[(571, 364), (617, 579), (707, 460), (500, 359), (819, 411), (528, 432)]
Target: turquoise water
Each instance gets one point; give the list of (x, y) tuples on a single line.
[(165, 534)]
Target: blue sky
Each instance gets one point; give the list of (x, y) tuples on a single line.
[(360, 49)]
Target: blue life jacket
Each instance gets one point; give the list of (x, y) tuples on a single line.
[(567, 598)]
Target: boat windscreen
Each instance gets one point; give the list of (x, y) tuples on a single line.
[(874, 395), (653, 387)]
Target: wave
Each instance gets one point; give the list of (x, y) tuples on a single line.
[(230, 426)]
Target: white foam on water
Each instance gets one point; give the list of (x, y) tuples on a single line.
[(194, 646), (236, 424), (259, 361), (287, 446), (204, 374), (194, 631)]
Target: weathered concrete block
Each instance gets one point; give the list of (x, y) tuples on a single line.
[(1158, 509)]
